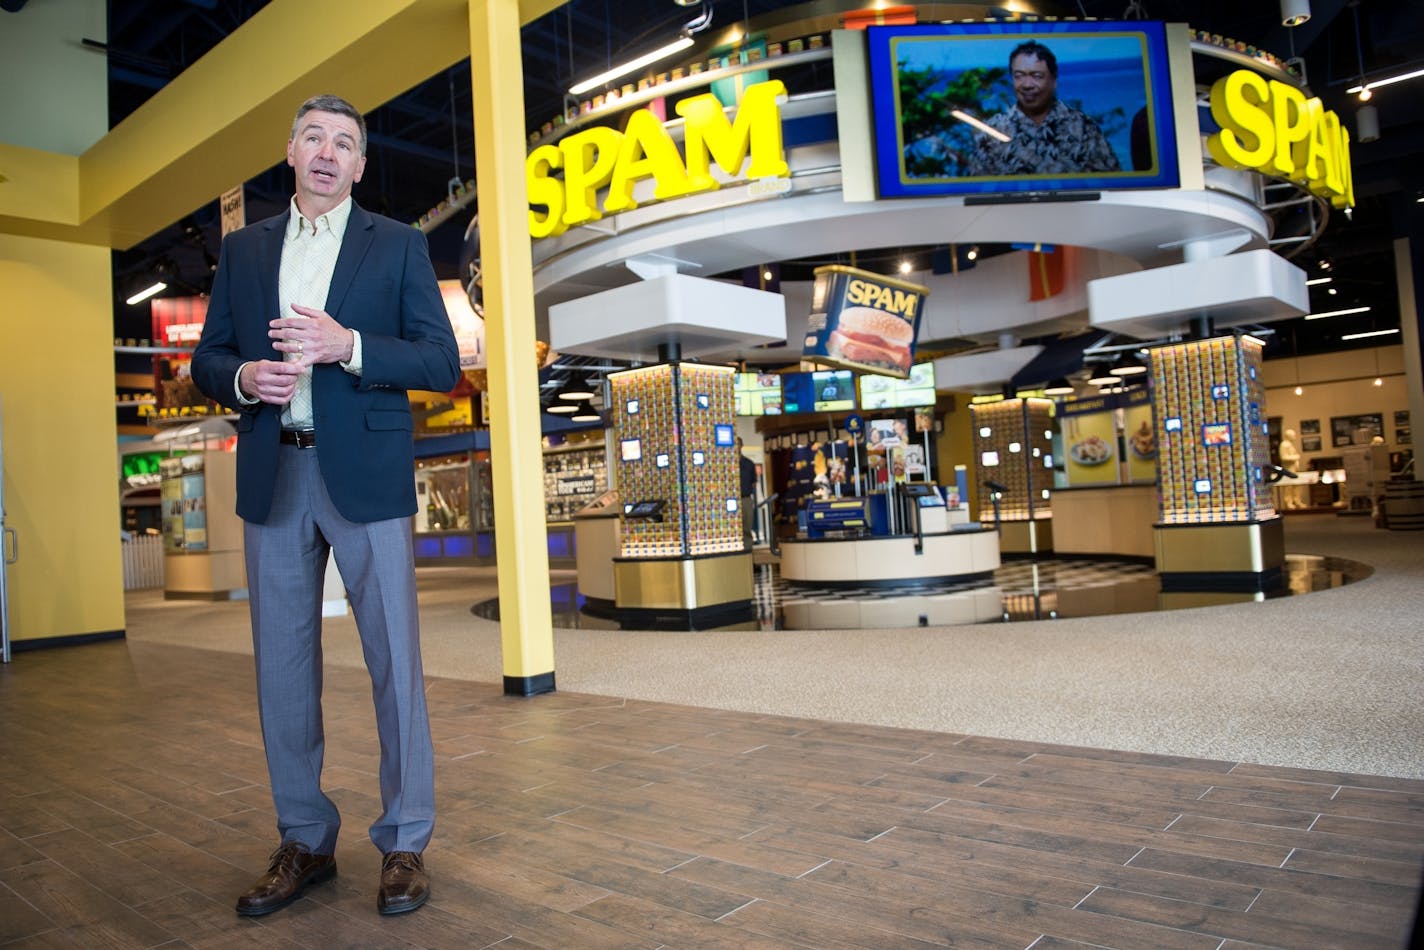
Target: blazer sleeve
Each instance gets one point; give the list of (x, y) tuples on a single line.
[(424, 355), (218, 357)]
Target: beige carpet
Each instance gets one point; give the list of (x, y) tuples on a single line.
[(1328, 681)]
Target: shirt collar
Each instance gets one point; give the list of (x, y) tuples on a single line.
[(335, 220)]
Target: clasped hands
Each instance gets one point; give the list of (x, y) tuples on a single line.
[(314, 337)]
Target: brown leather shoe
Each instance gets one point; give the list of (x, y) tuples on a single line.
[(293, 867), (404, 885)]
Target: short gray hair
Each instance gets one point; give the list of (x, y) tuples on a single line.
[(335, 105)]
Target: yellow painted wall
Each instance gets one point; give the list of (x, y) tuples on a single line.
[(57, 400)]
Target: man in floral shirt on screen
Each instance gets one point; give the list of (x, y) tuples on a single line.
[(1040, 135)]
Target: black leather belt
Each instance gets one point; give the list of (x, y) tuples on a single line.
[(301, 438)]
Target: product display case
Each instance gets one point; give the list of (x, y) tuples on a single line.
[(680, 540), (573, 477), (451, 523), (1219, 528), (202, 535), (1013, 459), (454, 517)]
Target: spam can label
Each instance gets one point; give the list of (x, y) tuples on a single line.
[(863, 321)]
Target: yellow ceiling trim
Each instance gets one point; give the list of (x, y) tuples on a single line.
[(225, 119)]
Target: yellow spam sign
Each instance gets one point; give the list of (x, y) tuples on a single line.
[(1271, 127), (603, 159)]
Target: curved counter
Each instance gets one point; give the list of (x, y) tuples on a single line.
[(873, 560)]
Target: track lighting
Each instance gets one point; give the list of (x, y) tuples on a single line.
[(157, 287), (647, 59)]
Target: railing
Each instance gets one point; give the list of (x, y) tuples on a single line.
[(143, 562)]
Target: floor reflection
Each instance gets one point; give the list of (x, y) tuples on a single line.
[(1043, 589)]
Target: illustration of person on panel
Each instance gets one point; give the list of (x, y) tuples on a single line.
[(1040, 134)]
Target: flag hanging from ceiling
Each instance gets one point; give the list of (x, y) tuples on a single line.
[(1045, 274)]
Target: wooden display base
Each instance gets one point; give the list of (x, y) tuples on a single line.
[(1033, 536), (1237, 556), (1114, 520), (200, 575)]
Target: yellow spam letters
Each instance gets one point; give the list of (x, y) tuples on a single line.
[(879, 297), (602, 158), (1271, 127)]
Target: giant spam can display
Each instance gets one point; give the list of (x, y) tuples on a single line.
[(863, 320)]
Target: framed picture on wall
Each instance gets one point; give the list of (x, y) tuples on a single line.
[(1310, 427), (1401, 417), (1401, 436), (1310, 443), (1356, 430)]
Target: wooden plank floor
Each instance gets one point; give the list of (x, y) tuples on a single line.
[(133, 810)]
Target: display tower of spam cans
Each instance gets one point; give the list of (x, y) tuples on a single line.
[(681, 561), (1219, 530), (1013, 460)]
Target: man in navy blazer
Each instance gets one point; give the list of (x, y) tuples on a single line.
[(320, 320)]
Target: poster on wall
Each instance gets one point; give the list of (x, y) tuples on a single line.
[(1090, 440), (1310, 435), (1140, 437), (1356, 430), (469, 326)]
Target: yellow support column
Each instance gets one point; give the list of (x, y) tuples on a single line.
[(521, 544)]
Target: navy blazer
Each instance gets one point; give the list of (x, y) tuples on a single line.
[(384, 287)]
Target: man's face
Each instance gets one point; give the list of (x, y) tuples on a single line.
[(326, 154), (1034, 86)]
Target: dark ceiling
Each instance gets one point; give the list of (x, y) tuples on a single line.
[(423, 138)]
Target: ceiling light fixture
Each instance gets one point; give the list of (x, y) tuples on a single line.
[(157, 287), (1369, 333), (586, 415), (578, 390), (1294, 12), (1317, 281), (1367, 125), (1387, 81), (647, 59), (905, 267), (562, 408), (1337, 313), (1102, 377), (973, 254), (1059, 387), (1128, 364)]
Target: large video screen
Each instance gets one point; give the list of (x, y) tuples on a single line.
[(821, 391), (757, 394), (988, 108), (889, 392)]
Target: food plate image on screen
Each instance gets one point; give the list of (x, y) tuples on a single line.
[(986, 108), (1091, 451)]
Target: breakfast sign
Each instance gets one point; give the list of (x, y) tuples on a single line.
[(1105, 436), (863, 320)]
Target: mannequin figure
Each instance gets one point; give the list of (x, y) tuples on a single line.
[(1290, 492)]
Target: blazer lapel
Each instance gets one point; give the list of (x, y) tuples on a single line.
[(359, 234)]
